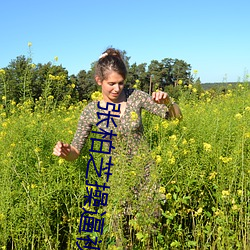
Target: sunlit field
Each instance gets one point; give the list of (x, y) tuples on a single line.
[(200, 164)]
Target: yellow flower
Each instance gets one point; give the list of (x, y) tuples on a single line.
[(2, 217), (235, 207), (212, 175), (50, 97), (133, 116), (198, 212), (73, 85), (37, 149), (225, 159), (194, 90), (239, 192), (4, 124), (133, 172), (162, 190), (171, 160), (190, 86), (156, 127), (3, 97), (247, 108), (168, 196), (56, 58), (51, 77), (96, 96), (207, 147), (2, 72), (164, 124), (158, 159), (173, 137), (13, 103), (180, 82), (135, 86), (33, 186), (29, 44), (225, 193), (238, 116), (191, 140), (247, 135), (137, 81), (195, 71), (61, 161)]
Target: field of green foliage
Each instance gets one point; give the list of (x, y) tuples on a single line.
[(202, 165)]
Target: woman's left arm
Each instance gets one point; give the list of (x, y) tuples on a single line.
[(163, 98)]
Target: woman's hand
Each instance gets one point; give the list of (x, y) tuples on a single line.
[(66, 151), (161, 97), (61, 149)]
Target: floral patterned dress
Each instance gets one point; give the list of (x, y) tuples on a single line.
[(128, 126)]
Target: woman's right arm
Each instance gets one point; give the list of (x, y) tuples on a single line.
[(70, 152)]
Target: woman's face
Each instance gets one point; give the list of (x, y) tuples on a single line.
[(112, 86)]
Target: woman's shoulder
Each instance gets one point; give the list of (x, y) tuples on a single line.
[(135, 93)]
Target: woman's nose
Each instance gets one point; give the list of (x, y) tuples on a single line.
[(116, 87)]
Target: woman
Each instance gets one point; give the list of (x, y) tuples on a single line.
[(110, 74)]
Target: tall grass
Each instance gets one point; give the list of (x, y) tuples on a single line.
[(201, 167)]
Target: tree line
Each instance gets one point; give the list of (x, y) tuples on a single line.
[(22, 79)]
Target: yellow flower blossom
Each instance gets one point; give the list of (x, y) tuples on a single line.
[(50, 97), (171, 160), (247, 108), (194, 90), (225, 159), (29, 44), (235, 207), (199, 211), (180, 82), (168, 196), (135, 86), (96, 96), (2, 217), (61, 161), (207, 147), (184, 141), (191, 140), (225, 193), (2, 72), (3, 97), (56, 58), (239, 192), (137, 81), (33, 186), (72, 85), (162, 190), (238, 116), (190, 86), (173, 137), (37, 149), (212, 175), (156, 127), (158, 159), (195, 71), (164, 124)]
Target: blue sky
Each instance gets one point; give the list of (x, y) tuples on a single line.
[(212, 36)]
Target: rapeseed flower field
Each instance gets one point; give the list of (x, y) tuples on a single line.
[(201, 164)]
